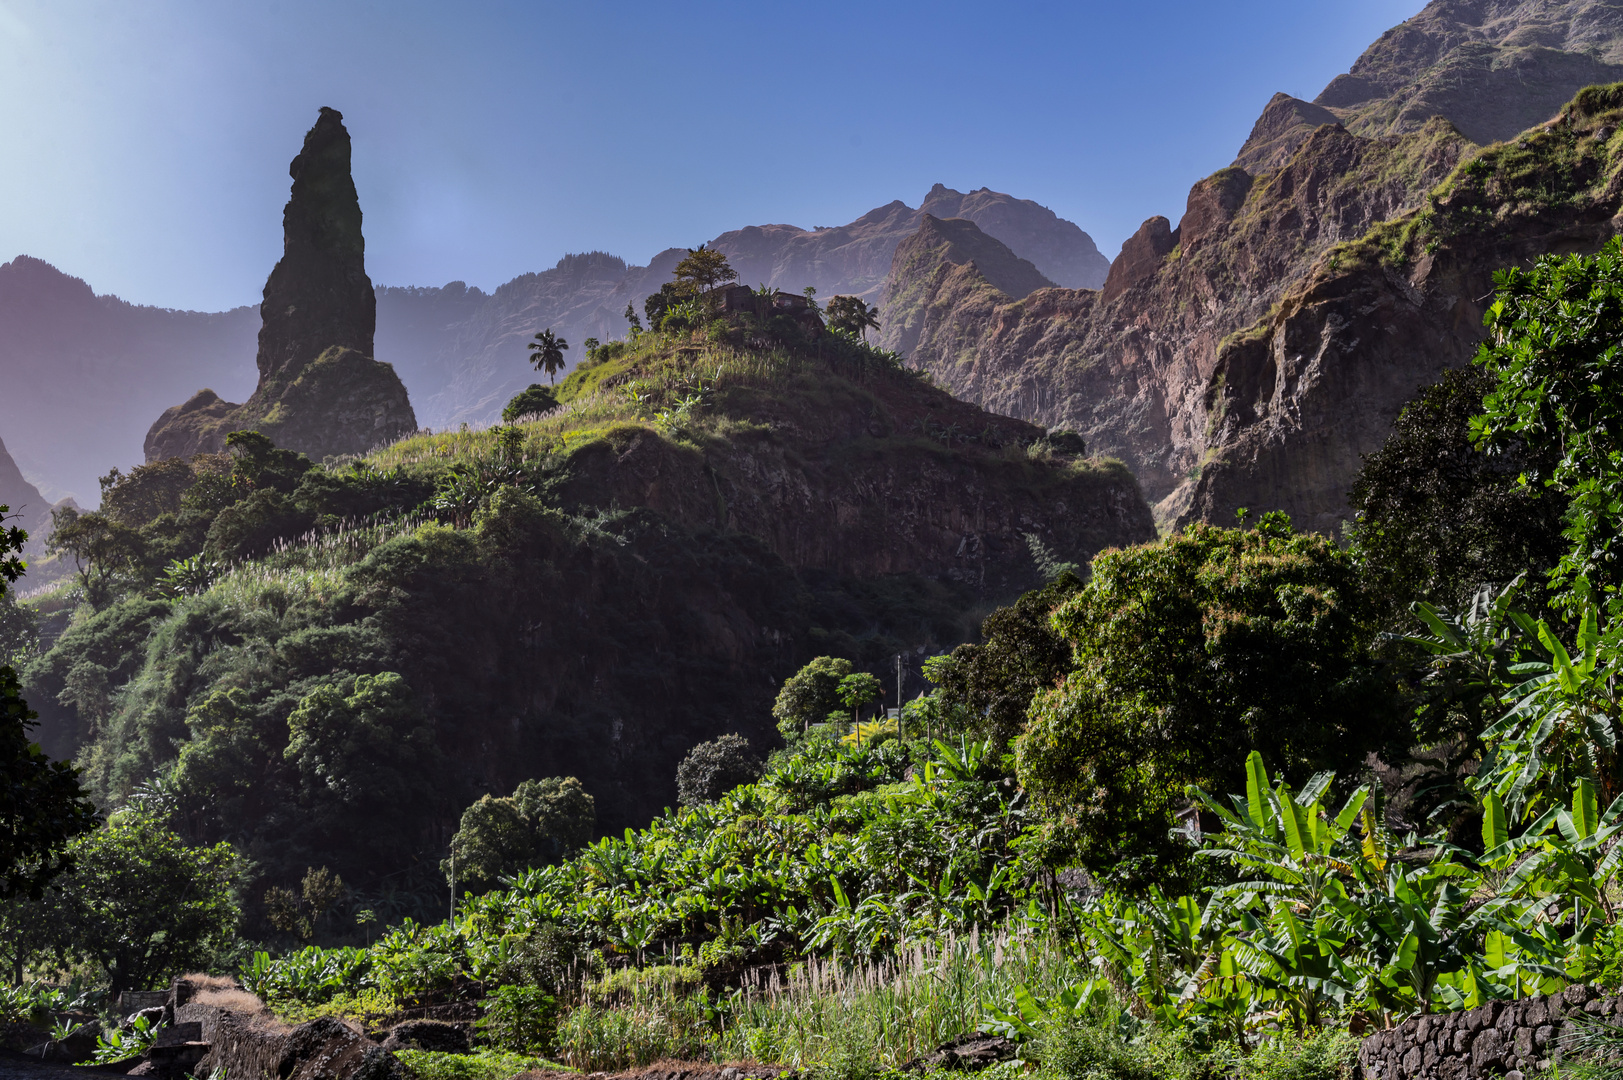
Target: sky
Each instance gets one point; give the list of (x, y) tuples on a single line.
[(144, 147)]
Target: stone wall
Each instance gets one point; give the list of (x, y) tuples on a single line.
[(1497, 1038)]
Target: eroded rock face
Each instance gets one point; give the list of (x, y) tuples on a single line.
[(1128, 368), (1220, 356), (318, 295), (937, 247), (319, 392)]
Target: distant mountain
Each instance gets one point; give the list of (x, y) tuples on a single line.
[(84, 375), (28, 508)]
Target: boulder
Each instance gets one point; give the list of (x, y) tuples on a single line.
[(435, 1035), (966, 1053)]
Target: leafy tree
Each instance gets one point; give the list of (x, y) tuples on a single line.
[(42, 806), (856, 690), (147, 492), (12, 540), (543, 821), (139, 903), (655, 305), (102, 550), (714, 768), (1020, 654), (547, 353), (250, 528), (529, 401), (630, 316), (809, 695), (1438, 517), (298, 913), (702, 270), (365, 755), (1187, 654), (1553, 350), (851, 315), (19, 630), (258, 464)]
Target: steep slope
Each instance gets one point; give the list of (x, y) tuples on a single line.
[(1293, 402), (29, 510), (606, 586), (319, 392), (1128, 366), (85, 374), (1132, 367), (944, 247)]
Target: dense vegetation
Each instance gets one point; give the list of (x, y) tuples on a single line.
[(1203, 809)]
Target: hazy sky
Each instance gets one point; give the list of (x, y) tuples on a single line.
[(145, 145)]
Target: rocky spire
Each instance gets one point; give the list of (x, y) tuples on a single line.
[(320, 392), (318, 296)]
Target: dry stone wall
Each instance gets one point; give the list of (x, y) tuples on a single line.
[(1496, 1039)]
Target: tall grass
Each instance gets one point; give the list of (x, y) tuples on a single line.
[(309, 567), (823, 1012)]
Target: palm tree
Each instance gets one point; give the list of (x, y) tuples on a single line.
[(547, 353)]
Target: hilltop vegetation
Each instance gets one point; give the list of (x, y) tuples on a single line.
[(325, 664)]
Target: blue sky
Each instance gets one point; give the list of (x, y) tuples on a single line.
[(145, 146)]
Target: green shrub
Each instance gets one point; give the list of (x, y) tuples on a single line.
[(484, 1065), (522, 1019), (714, 768), (532, 400), (1092, 1050), (1321, 1055)]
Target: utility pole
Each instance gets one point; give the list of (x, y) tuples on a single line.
[(898, 695)]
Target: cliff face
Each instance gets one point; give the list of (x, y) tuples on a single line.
[(1493, 67), (28, 508), (1169, 367), (926, 259), (1128, 366), (883, 477), (1294, 401), (320, 392)]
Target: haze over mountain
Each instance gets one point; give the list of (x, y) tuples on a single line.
[(92, 372)]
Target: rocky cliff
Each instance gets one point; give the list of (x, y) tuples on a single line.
[(947, 248), (1150, 368), (1128, 366), (319, 392)]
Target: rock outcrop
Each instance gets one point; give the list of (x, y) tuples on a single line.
[(320, 392), (937, 251)]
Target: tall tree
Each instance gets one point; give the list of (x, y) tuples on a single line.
[(850, 314), (547, 353), (703, 269)]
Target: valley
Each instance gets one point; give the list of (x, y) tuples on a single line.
[(907, 648)]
